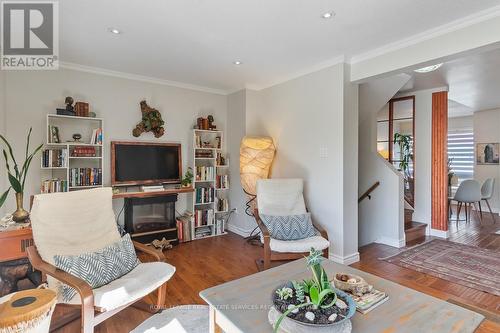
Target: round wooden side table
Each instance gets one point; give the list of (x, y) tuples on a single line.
[(27, 311)]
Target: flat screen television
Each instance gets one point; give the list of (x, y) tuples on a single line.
[(143, 163)]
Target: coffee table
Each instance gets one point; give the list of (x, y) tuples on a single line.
[(242, 305)]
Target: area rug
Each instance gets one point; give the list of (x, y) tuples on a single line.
[(180, 319), (470, 266)]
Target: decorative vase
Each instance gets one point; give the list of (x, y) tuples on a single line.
[(20, 215)]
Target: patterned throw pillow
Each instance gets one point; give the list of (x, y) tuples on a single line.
[(290, 227), (98, 268)]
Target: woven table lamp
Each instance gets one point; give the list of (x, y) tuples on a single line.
[(256, 157)]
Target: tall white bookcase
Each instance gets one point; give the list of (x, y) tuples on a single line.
[(208, 190), (67, 126)]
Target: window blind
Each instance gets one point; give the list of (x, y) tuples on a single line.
[(461, 151)]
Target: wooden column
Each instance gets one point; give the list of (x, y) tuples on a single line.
[(440, 161)]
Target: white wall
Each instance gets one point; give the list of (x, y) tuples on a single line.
[(460, 123), (381, 218), (306, 117), (31, 95), (486, 130)]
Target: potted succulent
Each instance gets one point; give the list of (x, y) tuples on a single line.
[(313, 302), (17, 176)]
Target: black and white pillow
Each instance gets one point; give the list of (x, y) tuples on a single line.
[(98, 268), (289, 227)]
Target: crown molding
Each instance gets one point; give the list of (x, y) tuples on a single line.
[(136, 77), (309, 70), (429, 34)]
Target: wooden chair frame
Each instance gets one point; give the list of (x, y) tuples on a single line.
[(92, 315), (270, 255)]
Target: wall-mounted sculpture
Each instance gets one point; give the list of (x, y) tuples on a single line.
[(151, 122)]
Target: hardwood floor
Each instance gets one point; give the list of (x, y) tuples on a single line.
[(209, 262)]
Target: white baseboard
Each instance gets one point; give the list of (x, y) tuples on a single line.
[(237, 230), (439, 233), (347, 260), (394, 242)]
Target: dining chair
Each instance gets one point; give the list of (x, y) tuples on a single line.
[(487, 191), (468, 193)]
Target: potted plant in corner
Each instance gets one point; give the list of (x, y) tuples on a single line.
[(17, 177), (313, 302), (188, 178)]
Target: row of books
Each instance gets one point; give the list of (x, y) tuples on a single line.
[(184, 227), (82, 151), (221, 205), (96, 138), (53, 158), (205, 172), (203, 217), (54, 185), (85, 176), (222, 181), (204, 195)]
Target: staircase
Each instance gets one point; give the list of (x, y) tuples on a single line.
[(414, 231)]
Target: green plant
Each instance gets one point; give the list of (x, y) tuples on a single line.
[(188, 177), (318, 288), (299, 291), (17, 178), (284, 293), (404, 142)]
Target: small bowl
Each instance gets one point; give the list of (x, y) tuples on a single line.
[(355, 284)]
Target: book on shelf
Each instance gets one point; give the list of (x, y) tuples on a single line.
[(83, 151), (370, 300), (54, 158), (222, 181), (204, 154), (54, 134), (96, 138), (204, 195), (203, 217), (221, 205), (205, 173), (54, 185), (85, 176)]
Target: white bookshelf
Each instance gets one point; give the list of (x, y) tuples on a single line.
[(209, 136), (67, 126)]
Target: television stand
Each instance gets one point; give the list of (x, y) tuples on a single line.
[(121, 192)]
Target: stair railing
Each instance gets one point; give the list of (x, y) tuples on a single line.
[(368, 192)]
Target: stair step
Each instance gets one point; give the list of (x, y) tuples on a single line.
[(408, 217), (415, 230)]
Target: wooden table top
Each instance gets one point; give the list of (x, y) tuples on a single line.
[(245, 303)]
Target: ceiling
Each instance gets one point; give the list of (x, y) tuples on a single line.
[(196, 41), (473, 82)]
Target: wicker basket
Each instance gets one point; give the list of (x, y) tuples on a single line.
[(351, 287)]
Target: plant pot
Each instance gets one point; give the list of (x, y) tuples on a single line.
[(351, 310), (20, 215)]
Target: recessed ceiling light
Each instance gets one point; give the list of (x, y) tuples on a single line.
[(428, 68), (328, 15), (115, 31), (237, 62)]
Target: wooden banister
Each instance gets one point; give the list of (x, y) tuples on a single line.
[(368, 192)]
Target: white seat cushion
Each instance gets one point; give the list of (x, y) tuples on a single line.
[(139, 282), (299, 245)]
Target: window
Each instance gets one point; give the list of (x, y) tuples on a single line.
[(461, 153)]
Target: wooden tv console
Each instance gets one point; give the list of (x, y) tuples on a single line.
[(140, 194)]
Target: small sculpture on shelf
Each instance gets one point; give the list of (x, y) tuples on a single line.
[(151, 122), (211, 125), (205, 123), (77, 137), (69, 110)]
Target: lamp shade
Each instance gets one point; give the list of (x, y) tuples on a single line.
[(256, 157)]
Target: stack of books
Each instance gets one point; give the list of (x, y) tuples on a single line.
[(222, 181), (54, 158), (204, 195), (96, 138), (205, 173), (203, 217), (184, 227), (85, 176), (370, 300), (203, 232), (54, 185), (204, 154)]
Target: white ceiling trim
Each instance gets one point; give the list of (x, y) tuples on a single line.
[(429, 34), (136, 77), (309, 70)]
